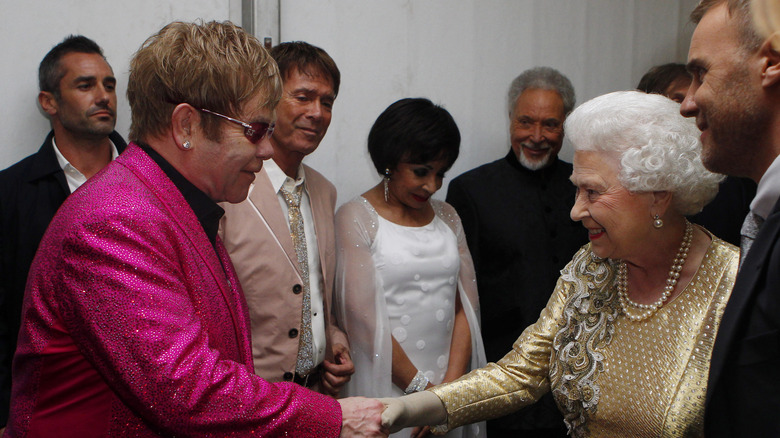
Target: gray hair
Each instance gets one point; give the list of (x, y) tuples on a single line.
[(659, 149), (543, 78)]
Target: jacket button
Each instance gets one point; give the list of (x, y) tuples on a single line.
[(293, 333), (288, 376), (297, 289)]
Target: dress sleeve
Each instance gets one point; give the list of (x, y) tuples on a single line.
[(467, 282), (360, 304), (125, 298), (517, 380)]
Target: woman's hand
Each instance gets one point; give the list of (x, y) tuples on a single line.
[(418, 409), (395, 410)]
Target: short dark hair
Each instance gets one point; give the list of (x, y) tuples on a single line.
[(750, 40), (413, 130), (660, 77), (305, 57), (49, 72)]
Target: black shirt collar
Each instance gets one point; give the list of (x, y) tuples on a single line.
[(206, 210)]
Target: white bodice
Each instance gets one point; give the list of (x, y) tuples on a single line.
[(418, 269)]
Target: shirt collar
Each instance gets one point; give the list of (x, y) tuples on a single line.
[(65, 164), (768, 190), (206, 210), (279, 178)]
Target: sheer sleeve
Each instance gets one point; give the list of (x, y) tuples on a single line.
[(360, 304), (467, 282)]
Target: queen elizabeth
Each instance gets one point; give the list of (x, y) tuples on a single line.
[(625, 340)]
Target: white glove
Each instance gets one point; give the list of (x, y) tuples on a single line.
[(419, 409)]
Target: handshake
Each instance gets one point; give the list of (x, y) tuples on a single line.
[(366, 417)]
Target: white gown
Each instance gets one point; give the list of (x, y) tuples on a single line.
[(418, 269), (393, 279)]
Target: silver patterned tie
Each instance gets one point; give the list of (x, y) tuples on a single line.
[(305, 362), (749, 231)]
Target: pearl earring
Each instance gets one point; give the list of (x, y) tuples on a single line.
[(657, 222)]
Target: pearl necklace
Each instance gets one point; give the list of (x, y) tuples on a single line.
[(646, 310)]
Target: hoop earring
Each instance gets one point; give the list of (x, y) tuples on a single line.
[(657, 222), (386, 180), (186, 145)]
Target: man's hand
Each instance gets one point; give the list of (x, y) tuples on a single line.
[(338, 372), (362, 417)]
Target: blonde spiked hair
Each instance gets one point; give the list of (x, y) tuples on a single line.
[(216, 66)]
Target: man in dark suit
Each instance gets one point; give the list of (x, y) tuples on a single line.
[(515, 213), (78, 93), (735, 97)]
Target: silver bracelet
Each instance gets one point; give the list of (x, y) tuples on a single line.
[(418, 383)]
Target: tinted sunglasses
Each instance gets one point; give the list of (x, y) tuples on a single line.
[(254, 132)]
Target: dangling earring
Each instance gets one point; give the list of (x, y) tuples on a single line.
[(657, 222), (186, 145), (386, 181)]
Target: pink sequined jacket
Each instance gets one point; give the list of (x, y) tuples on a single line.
[(135, 326)]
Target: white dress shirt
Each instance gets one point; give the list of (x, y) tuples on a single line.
[(768, 191), (74, 177)]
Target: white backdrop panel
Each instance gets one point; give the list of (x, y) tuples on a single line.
[(30, 28), (463, 54)]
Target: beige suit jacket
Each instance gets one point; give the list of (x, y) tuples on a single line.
[(267, 267)]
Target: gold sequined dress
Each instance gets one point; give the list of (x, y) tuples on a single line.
[(610, 376)]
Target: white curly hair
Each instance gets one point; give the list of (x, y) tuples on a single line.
[(659, 149)]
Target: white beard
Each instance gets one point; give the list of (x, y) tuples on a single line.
[(534, 165)]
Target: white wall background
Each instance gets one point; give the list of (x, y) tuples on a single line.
[(461, 54), (30, 28)]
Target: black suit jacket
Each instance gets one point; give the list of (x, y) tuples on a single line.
[(520, 234), (31, 192), (743, 393)]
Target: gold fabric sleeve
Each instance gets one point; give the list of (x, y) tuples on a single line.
[(515, 381), (610, 376)]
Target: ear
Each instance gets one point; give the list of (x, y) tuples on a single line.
[(48, 102), (184, 119), (770, 57), (662, 200)]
